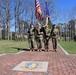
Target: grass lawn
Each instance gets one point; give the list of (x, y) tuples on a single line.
[(12, 46), (70, 47)]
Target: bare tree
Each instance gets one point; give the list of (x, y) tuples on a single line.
[(6, 8), (18, 10), (73, 13), (71, 29)]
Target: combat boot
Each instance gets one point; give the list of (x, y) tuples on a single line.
[(47, 50), (30, 50), (33, 50), (55, 50), (40, 50)]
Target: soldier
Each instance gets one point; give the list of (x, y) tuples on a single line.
[(46, 37), (39, 37), (54, 34), (31, 37), (16, 36), (19, 37)]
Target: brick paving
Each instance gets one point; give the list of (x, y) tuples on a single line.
[(59, 62)]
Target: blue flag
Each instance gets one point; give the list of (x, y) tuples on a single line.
[(47, 10), (47, 14)]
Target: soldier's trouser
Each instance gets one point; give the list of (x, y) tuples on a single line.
[(54, 41), (31, 43), (39, 43), (46, 43)]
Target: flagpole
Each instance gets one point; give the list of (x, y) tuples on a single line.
[(46, 20)]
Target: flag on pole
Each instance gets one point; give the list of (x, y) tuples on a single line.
[(47, 10), (38, 10), (47, 14)]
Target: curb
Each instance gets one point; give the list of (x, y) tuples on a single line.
[(2, 54), (11, 53), (63, 49)]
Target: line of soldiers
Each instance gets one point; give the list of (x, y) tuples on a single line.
[(42, 34), (20, 37)]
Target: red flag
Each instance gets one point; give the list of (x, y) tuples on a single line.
[(38, 10)]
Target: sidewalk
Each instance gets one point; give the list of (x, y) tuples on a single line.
[(59, 62)]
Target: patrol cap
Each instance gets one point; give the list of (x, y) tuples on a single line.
[(54, 24)]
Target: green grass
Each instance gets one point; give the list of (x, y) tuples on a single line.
[(12, 46), (70, 47)]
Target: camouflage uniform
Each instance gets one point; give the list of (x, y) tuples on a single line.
[(16, 36), (31, 38), (39, 38), (54, 34), (46, 38)]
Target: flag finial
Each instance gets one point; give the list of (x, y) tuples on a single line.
[(46, 0)]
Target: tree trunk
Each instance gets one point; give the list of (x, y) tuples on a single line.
[(8, 29)]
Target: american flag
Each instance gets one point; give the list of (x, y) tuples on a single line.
[(38, 10)]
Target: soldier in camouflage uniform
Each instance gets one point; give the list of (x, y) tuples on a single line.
[(46, 37), (31, 37), (16, 36), (39, 36), (54, 34)]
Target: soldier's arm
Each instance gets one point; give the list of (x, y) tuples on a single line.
[(28, 31), (34, 29), (41, 31)]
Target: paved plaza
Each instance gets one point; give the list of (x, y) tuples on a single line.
[(58, 62)]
